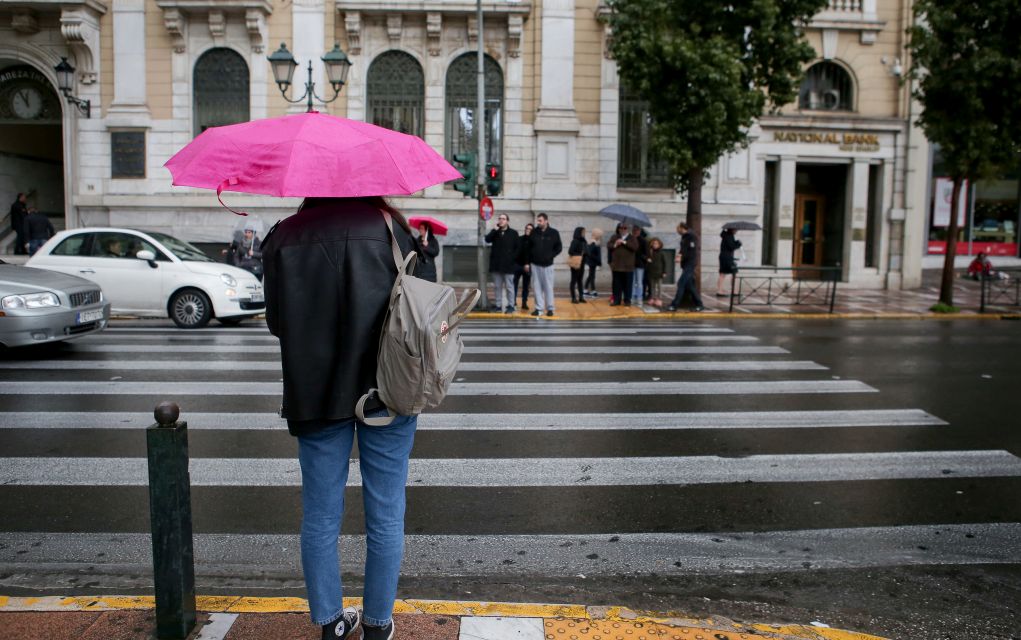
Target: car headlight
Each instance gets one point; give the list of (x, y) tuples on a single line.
[(30, 301), (228, 280)]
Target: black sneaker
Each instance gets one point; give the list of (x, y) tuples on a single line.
[(671, 308), (699, 308), (535, 313), (549, 313), (370, 632), (344, 626)]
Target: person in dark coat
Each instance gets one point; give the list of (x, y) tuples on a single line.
[(593, 260), (576, 255), (428, 248), (544, 246), (503, 257), (38, 229), (329, 270), (656, 271), (18, 212), (245, 252), (521, 268), (622, 263), (728, 265), (688, 259)]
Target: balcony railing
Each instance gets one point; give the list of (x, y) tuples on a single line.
[(845, 5)]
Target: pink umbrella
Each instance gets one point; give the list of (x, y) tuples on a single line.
[(438, 228), (309, 154)]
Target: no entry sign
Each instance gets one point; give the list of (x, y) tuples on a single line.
[(485, 208)]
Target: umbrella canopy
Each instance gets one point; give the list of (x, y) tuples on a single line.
[(742, 225), (249, 222), (309, 155), (437, 227), (626, 213)]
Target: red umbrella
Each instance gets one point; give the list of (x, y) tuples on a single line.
[(437, 227)]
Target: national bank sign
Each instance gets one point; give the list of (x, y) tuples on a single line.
[(846, 141)]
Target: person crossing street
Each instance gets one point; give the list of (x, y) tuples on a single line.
[(688, 259)]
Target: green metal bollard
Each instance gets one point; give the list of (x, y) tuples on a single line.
[(173, 558)]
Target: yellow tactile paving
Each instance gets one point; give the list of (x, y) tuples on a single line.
[(561, 622)]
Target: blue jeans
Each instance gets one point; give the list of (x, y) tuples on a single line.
[(383, 461), (35, 245), (636, 284), (686, 283)]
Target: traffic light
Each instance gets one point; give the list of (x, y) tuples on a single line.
[(469, 169), (494, 179)]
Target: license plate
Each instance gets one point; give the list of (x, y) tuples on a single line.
[(257, 297), (90, 316)]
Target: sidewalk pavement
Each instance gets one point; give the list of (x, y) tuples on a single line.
[(851, 302), (240, 618)]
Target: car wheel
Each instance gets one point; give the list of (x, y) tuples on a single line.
[(232, 321), (190, 309)]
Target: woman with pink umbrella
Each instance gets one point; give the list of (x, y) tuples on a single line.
[(328, 273), (426, 245)]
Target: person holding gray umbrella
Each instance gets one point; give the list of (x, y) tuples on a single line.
[(728, 265)]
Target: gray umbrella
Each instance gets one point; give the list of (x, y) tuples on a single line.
[(626, 213), (742, 225)]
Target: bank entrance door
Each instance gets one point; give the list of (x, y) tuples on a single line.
[(809, 225)]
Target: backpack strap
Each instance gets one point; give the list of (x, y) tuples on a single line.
[(404, 265), (468, 300), (381, 421)]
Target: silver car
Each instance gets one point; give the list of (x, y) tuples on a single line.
[(38, 306)]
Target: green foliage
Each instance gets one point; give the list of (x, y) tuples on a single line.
[(709, 69), (966, 56), (941, 307)]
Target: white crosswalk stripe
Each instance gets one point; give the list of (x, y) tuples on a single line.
[(103, 387)]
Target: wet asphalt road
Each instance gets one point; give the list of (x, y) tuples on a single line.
[(867, 473)]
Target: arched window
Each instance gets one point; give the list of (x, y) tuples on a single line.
[(396, 93), (220, 89), (462, 102), (637, 164), (827, 87)]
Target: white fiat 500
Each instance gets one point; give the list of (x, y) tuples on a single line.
[(146, 273)]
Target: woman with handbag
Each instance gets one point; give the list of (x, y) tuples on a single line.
[(575, 260)]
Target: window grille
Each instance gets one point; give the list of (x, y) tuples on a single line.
[(462, 102), (637, 164), (221, 89), (396, 93), (826, 87)]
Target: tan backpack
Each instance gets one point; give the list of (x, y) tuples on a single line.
[(420, 347)]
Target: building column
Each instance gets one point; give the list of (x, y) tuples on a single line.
[(855, 223), (556, 124), (786, 171), (309, 40), (129, 81)]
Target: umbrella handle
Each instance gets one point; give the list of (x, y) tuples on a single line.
[(219, 190)]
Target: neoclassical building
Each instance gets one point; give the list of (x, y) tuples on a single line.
[(839, 179)]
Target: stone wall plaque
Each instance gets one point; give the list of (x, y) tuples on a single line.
[(127, 154)]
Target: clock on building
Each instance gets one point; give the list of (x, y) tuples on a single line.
[(26, 102)]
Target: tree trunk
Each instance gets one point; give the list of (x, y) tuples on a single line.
[(946, 289), (694, 221)]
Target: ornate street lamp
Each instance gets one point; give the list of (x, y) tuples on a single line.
[(283, 63), (65, 82)]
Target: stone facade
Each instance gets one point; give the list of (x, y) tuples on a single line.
[(561, 140)]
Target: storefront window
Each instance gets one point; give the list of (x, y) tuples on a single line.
[(989, 214)]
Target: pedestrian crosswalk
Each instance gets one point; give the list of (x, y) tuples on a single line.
[(597, 448)]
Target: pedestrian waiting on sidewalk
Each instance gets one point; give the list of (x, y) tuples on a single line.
[(576, 261), (543, 247), (656, 271), (593, 260), (503, 262), (688, 260), (641, 261), (329, 335), (728, 262), (521, 269), (623, 245), (428, 247)]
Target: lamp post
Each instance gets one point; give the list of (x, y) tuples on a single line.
[(283, 63), (65, 82)]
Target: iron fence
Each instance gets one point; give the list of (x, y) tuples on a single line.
[(785, 285), (1002, 289)]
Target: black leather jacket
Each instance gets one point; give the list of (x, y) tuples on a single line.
[(328, 274)]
